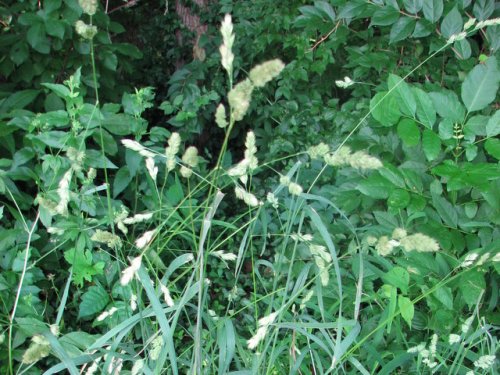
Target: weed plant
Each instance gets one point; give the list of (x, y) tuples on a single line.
[(215, 270)]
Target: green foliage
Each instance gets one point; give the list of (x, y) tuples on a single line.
[(353, 229)]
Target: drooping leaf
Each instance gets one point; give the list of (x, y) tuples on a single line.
[(398, 277), (431, 144), (407, 309), (402, 29), (447, 105), (413, 6), (481, 85), (385, 108), (446, 210), (122, 179), (384, 16), (492, 146), (94, 300), (472, 285), (452, 23), (493, 125), (483, 9), (433, 9), (462, 49), (83, 267), (425, 108), (404, 95)]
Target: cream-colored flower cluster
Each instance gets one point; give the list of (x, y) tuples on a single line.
[(344, 157), (247, 197), (190, 160), (261, 333), (85, 31), (293, 187), (174, 145), (88, 6), (415, 242), (108, 238), (345, 83), (249, 162), (38, 349), (225, 49), (322, 257)]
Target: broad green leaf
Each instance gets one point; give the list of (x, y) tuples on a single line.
[(481, 85), (426, 113), (385, 109), (446, 211), (83, 267), (471, 285), (402, 29), (452, 23), (353, 9), (399, 199), (406, 308), (18, 100), (492, 146), (19, 53), (384, 16), (94, 158), (433, 9), (446, 129), (37, 39), (60, 90), (462, 49), (55, 28), (483, 9), (493, 37), (375, 186), (404, 95), (326, 8), (447, 105), (393, 175), (118, 124), (385, 219), (493, 125), (398, 277), (408, 131), (431, 144), (423, 28), (445, 296), (51, 5), (122, 180), (413, 6), (94, 300), (442, 321), (476, 126)]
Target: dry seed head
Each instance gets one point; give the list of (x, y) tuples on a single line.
[(220, 116), (338, 158), (63, 192), (166, 295), (88, 6), (318, 151), (485, 362), (239, 99), (385, 246), (151, 168), (419, 242), (399, 233), (361, 160), (295, 189), (129, 273), (108, 238), (85, 31), (265, 72), (145, 239), (38, 349)]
